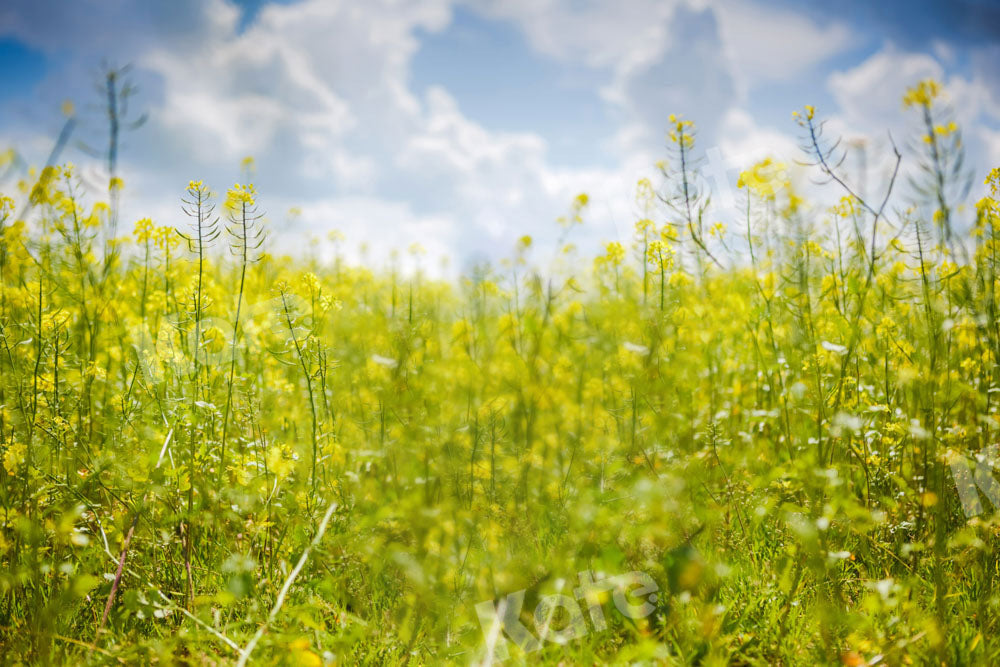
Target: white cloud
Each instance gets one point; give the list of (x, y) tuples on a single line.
[(365, 223), (594, 32), (690, 77), (743, 139), (869, 97), (991, 139), (449, 142), (770, 44), (986, 69), (319, 93)]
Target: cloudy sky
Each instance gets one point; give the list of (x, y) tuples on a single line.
[(464, 124)]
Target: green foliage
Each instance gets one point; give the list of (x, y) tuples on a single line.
[(279, 461)]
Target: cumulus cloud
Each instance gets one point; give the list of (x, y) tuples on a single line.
[(986, 68), (770, 44), (869, 94), (870, 110), (600, 34), (320, 94), (691, 77)]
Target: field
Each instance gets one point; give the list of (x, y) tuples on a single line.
[(767, 444)]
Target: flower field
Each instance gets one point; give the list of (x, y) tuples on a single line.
[(216, 455)]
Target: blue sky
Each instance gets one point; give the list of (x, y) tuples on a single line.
[(463, 124)]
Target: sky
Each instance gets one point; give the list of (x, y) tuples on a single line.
[(462, 125)]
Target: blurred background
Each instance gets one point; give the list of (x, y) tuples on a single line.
[(462, 125)]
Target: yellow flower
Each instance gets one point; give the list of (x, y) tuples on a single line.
[(301, 655), (198, 190), (645, 195), (922, 94), (576, 211), (100, 210), (14, 457), (239, 196), (681, 132), (327, 303), (165, 238), (992, 180), (679, 279), (143, 230), (660, 255), (642, 227), (614, 252), (765, 179), (311, 283), (945, 130), (279, 461), (807, 114)]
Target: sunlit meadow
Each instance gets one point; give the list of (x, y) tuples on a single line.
[(214, 453)]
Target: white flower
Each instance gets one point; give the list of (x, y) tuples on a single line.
[(635, 347), (384, 361), (833, 347)]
